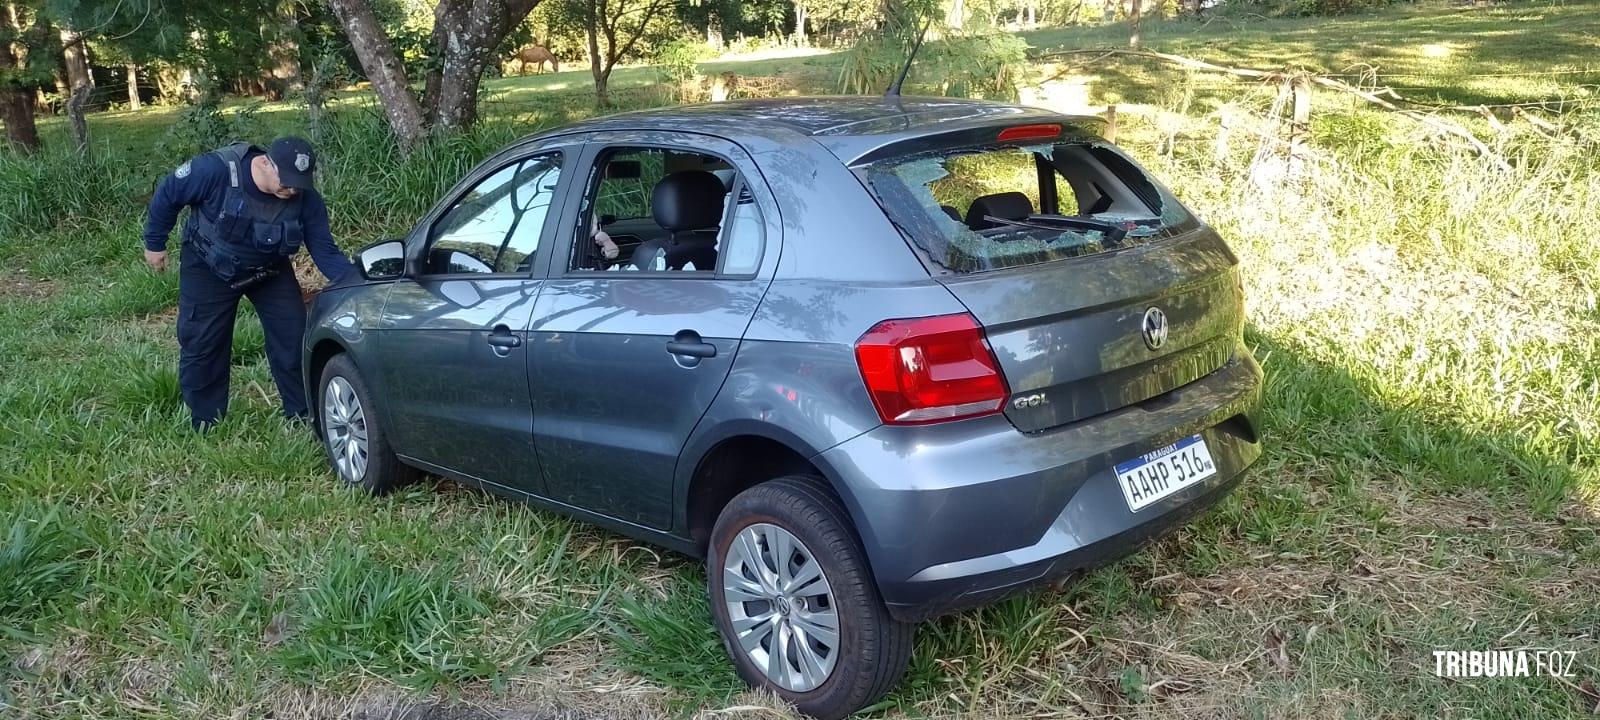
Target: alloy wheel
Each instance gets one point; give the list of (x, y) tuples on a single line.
[(344, 423), (781, 607)]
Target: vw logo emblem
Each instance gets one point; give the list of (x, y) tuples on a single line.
[(1155, 328)]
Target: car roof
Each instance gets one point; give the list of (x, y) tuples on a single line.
[(850, 126)]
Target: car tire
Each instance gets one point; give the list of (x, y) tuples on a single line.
[(353, 434), (870, 649)]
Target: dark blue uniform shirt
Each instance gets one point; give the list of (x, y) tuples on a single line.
[(205, 186)]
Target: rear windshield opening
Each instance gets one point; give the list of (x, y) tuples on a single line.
[(985, 208)]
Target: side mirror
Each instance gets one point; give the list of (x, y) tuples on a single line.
[(382, 260)]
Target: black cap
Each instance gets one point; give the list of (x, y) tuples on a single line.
[(296, 162)]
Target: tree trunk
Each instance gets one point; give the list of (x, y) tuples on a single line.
[(958, 13), (164, 90), (285, 54), (1133, 23), (80, 83), (799, 22), (16, 110), (383, 68), (713, 32), (187, 87), (17, 102), (75, 115), (597, 66), (134, 102), (466, 34), (457, 106)]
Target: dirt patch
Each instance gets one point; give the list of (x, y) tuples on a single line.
[(568, 691), (20, 286)]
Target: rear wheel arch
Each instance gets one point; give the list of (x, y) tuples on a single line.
[(739, 462)]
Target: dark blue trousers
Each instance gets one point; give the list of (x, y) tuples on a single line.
[(206, 309)]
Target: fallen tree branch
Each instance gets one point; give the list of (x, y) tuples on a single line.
[(1174, 59), (1448, 128)]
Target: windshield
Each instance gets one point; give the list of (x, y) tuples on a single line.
[(984, 208)]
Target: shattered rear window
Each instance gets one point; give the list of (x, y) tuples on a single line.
[(984, 208)]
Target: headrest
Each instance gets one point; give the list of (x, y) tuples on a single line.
[(1008, 205), (688, 200)]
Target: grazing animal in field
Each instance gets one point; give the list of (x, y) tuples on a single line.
[(537, 55)]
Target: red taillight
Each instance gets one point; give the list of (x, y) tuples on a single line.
[(923, 370), (1030, 132)]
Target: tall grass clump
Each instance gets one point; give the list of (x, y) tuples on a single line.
[(365, 616), (38, 566), (370, 183), (60, 188), (1457, 293), (669, 640)]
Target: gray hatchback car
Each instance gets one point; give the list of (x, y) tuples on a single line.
[(875, 360)]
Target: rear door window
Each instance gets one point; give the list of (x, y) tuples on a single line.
[(972, 209), (619, 230)]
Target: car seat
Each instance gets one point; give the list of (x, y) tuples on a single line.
[(1007, 205), (688, 205)]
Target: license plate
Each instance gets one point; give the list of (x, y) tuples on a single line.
[(1157, 474)]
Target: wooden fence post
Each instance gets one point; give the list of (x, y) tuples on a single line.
[(1299, 123), (1219, 152)]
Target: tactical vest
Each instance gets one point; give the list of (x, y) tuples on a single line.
[(250, 234)]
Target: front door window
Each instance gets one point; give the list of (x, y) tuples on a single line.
[(494, 227)]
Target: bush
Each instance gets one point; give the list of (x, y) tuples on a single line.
[(1302, 8), (678, 61), (205, 126), (870, 65), (988, 65)]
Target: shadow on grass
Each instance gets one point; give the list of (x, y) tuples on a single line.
[(1328, 416)]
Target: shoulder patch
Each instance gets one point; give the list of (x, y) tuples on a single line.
[(182, 171)]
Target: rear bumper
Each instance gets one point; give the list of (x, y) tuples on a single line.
[(963, 514)]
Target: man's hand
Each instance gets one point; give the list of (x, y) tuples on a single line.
[(157, 260)]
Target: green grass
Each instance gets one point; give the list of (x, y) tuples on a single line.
[(1429, 325), (1511, 53)]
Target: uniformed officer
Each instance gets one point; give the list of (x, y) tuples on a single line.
[(250, 211)]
